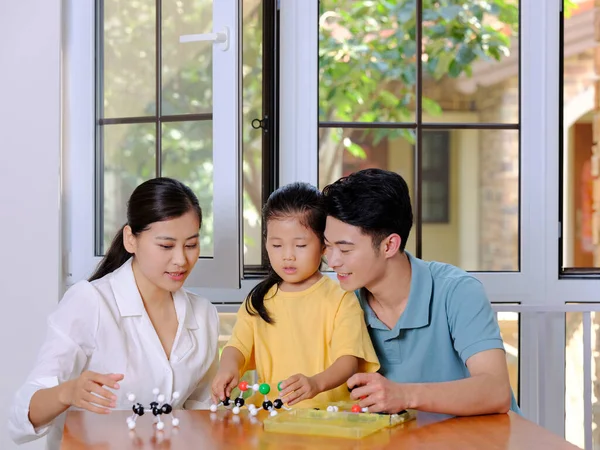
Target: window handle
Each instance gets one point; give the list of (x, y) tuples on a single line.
[(218, 38)]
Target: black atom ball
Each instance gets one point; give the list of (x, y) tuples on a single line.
[(267, 405), (278, 403)]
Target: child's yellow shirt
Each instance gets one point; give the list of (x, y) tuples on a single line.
[(312, 329)]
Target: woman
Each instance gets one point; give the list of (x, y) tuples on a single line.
[(131, 328)]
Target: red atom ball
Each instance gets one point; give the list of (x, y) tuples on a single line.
[(356, 408), (243, 386)]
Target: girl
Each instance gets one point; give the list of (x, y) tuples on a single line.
[(297, 326), (131, 328)]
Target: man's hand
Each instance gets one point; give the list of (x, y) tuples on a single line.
[(297, 388), (378, 393)]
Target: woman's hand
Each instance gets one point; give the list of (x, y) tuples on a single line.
[(88, 391)]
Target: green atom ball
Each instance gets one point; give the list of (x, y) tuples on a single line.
[(264, 389), (279, 385)]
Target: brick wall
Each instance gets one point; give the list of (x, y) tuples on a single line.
[(499, 178)]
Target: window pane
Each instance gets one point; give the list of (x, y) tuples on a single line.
[(344, 150), (252, 98), (367, 61), (509, 330), (473, 224), (580, 193), (187, 155), (129, 159), (129, 48), (471, 61), (481, 232), (186, 68), (574, 379)]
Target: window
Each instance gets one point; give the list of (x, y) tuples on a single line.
[(578, 243), (431, 92), (578, 136), (157, 106), (412, 87)]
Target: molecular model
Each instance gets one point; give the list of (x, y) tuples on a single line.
[(355, 409), (158, 408), (238, 403)]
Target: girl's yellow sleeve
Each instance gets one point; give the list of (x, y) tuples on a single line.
[(350, 335), (242, 337)]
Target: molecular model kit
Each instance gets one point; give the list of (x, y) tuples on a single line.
[(238, 403), (158, 407)]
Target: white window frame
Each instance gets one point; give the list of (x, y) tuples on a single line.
[(224, 269)]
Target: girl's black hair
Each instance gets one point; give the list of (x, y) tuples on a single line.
[(153, 201), (300, 200)]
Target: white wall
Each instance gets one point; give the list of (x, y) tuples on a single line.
[(30, 39)]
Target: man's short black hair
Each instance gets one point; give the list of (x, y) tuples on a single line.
[(375, 200)]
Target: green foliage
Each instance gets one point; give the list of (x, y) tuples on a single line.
[(367, 53), (367, 72)]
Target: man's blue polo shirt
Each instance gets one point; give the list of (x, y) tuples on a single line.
[(448, 319)]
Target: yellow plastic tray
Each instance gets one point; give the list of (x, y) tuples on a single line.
[(342, 423)]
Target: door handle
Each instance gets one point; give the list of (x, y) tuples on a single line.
[(221, 37)]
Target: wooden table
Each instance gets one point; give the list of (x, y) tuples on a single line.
[(223, 430)]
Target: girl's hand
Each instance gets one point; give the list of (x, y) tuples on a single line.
[(88, 391), (223, 383), (297, 388)]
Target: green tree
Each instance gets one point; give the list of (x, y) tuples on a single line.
[(368, 67)]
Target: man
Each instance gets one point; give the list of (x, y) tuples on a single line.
[(431, 324)]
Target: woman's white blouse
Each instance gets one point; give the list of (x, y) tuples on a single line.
[(103, 327)]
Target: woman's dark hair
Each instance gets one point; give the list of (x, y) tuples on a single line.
[(375, 200), (153, 201), (300, 200)]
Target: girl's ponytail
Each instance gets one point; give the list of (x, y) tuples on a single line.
[(255, 303)]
